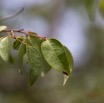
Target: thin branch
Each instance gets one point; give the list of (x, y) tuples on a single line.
[(15, 37), (23, 32)]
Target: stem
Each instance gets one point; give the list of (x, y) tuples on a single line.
[(15, 37), (23, 32)]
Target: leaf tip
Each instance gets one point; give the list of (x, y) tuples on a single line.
[(65, 79)]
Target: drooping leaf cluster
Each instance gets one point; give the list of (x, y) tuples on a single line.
[(42, 54)]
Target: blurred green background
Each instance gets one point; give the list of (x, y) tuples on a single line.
[(79, 25)]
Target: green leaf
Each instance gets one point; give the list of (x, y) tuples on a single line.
[(45, 67), (11, 59), (71, 63), (36, 42), (54, 53), (17, 43), (90, 7), (21, 53), (34, 60), (69, 57), (2, 28), (4, 48)]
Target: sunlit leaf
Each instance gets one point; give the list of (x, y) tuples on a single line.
[(21, 53), (54, 53), (4, 48), (34, 61), (2, 28)]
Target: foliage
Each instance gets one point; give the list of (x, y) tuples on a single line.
[(42, 53)]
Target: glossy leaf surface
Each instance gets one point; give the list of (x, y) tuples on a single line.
[(54, 53)]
